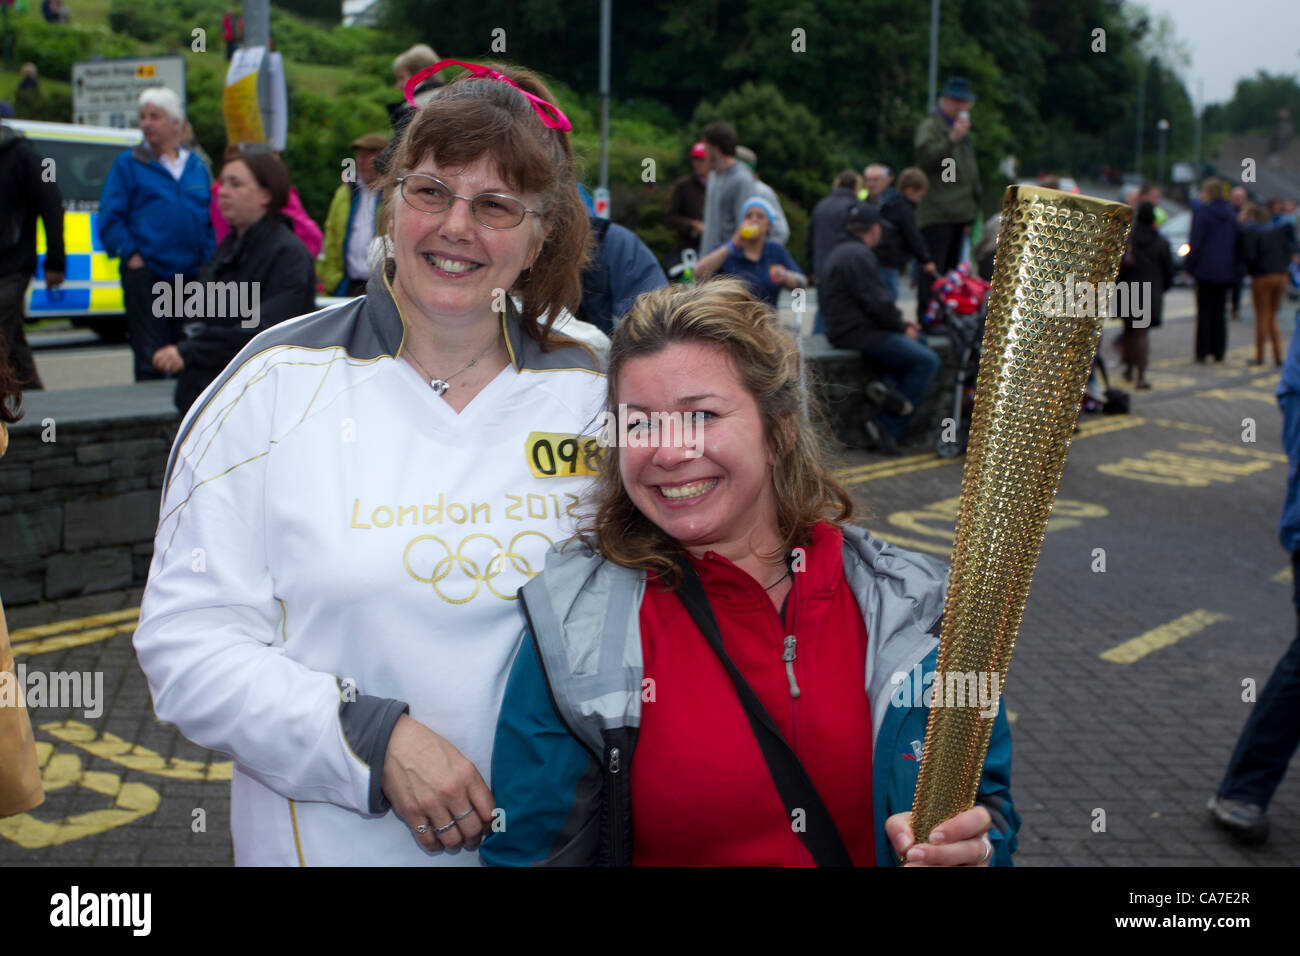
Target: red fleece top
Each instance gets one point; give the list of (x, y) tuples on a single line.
[(701, 791)]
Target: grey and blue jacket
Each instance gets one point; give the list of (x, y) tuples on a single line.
[(568, 726)]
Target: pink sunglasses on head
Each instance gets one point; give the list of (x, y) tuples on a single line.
[(548, 112)]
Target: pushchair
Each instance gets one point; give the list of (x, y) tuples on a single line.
[(957, 309)]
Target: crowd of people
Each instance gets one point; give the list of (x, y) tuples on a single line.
[(498, 681)]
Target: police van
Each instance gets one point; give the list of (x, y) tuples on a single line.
[(91, 294)]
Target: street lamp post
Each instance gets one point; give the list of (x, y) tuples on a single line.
[(1163, 127)]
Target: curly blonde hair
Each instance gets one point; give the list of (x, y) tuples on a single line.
[(720, 312)]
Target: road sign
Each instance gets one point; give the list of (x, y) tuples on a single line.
[(107, 92), (601, 202)]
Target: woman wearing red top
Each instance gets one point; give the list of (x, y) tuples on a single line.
[(715, 477)]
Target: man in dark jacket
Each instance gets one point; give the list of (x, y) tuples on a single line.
[(1212, 261), (860, 314), (826, 227), (24, 194), (902, 241), (685, 214), (945, 153)]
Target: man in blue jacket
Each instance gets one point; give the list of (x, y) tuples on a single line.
[(1272, 732), (1212, 261), (153, 217)]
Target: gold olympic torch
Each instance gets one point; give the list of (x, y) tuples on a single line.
[(1055, 253)]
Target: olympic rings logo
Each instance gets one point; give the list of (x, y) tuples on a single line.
[(479, 558)]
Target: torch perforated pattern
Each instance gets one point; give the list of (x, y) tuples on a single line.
[(1031, 380)]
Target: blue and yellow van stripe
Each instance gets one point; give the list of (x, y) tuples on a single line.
[(92, 282)]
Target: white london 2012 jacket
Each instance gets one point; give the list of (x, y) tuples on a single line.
[(335, 547)]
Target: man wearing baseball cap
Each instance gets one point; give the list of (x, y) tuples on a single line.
[(350, 225), (860, 314), (685, 215)]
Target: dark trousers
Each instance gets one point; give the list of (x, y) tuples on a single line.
[(944, 240), (148, 332), (14, 349), (1211, 325), (1272, 731), (912, 365)]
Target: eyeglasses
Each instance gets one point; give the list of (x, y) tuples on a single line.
[(424, 193)]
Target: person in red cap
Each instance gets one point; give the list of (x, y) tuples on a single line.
[(685, 215)]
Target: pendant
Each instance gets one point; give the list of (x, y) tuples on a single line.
[(439, 386)]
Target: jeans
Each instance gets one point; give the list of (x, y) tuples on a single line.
[(913, 365), (148, 332), (891, 281), (1272, 731)]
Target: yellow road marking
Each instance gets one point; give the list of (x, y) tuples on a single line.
[(1186, 426), (1236, 394), (73, 624), (134, 757), (63, 641), (1139, 647), (130, 802), (881, 465), (1283, 577), (1110, 423)]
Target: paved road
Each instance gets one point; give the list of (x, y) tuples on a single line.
[(1125, 691)]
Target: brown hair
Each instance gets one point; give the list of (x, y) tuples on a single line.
[(721, 135), (724, 313), (270, 174), (913, 177), (847, 179), (471, 118)]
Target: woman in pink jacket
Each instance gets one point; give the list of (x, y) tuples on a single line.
[(304, 227)]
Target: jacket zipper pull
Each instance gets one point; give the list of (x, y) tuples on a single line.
[(614, 762), (788, 657)]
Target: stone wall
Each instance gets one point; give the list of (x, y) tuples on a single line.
[(80, 488), (839, 378)]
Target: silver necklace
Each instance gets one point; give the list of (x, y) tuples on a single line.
[(440, 385)]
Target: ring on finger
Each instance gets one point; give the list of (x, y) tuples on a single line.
[(422, 828), (988, 851), (462, 816), (444, 829)]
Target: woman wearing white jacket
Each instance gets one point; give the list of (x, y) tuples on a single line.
[(351, 506)]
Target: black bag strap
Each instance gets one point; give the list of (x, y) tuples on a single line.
[(820, 835)]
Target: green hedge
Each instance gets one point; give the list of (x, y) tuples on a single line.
[(54, 48)]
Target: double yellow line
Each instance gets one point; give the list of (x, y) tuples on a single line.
[(74, 632)]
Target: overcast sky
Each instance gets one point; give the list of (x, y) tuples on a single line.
[(1231, 39)]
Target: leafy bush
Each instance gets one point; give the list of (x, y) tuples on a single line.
[(54, 48), (793, 151), (51, 103)]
